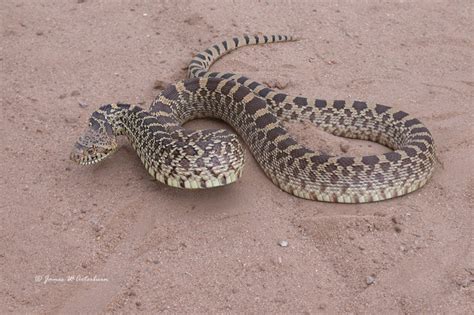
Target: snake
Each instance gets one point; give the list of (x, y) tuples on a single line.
[(194, 159)]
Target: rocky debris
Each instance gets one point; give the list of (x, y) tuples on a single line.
[(370, 280), (344, 147), (193, 19), (160, 85), (277, 83)]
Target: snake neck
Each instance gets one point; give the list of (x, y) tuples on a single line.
[(171, 154), (131, 121), (113, 120)]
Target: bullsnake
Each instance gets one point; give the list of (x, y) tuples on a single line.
[(208, 158)]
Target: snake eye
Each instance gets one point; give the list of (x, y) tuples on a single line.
[(90, 150)]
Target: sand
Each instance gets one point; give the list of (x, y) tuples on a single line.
[(109, 239)]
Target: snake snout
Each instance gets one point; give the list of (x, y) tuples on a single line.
[(82, 155), (86, 155), (93, 146)]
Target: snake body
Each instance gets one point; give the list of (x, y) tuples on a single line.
[(208, 158)]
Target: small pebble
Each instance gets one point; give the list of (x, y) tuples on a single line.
[(159, 85), (277, 83), (70, 120), (370, 280), (395, 220), (193, 19), (96, 227), (183, 65), (344, 147), (83, 104), (283, 243), (466, 283)]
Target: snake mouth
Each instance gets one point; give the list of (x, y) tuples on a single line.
[(89, 156), (88, 160)]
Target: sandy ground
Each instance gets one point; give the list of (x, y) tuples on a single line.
[(107, 238)]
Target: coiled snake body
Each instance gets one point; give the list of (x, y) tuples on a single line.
[(208, 158)]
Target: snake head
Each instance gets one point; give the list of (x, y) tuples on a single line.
[(93, 146)]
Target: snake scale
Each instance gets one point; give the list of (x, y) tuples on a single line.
[(208, 158)]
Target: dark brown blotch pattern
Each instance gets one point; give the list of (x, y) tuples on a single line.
[(300, 101), (380, 109), (339, 104), (254, 105), (241, 92), (345, 161), (319, 159), (264, 120), (320, 104), (359, 106), (399, 115), (299, 152), (275, 132), (279, 97), (370, 160), (392, 156), (285, 143)]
